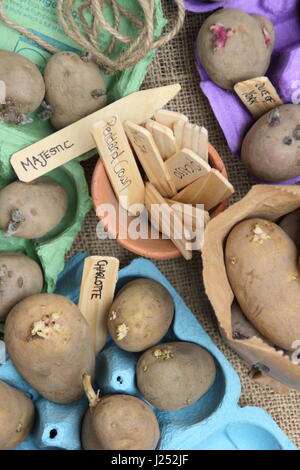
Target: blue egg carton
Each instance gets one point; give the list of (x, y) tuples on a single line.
[(215, 422)]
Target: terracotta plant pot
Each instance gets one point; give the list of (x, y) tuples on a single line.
[(102, 193)]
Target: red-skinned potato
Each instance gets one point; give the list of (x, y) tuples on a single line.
[(234, 46), (271, 148)]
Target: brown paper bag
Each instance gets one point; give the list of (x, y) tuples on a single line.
[(270, 365)]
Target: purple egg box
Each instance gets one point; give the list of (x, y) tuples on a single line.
[(284, 71)]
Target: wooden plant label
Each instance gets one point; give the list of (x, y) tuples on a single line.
[(209, 190), (185, 167), (190, 217), (163, 137), (168, 118), (258, 95), (76, 139), (179, 234), (99, 278), (150, 158), (178, 129), (119, 161), (2, 92)]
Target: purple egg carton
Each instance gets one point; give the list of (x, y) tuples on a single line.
[(284, 71)]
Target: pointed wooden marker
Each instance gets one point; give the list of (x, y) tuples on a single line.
[(150, 158), (167, 217), (76, 139), (209, 190), (185, 167), (99, 278), (168, 118), (163, 137), (119, 162)]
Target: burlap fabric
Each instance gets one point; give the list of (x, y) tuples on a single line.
[(175, 63)]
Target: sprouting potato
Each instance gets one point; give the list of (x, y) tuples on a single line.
[(24, 87), (16, 416), (262, 268), (20, 277), (175, 375), (74, 88), (140, 315), (118, 422), (50, 344), (234, 46), (31, 210)]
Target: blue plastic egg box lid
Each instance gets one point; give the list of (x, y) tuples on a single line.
[(215, 422)]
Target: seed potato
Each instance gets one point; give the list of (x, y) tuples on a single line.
[(25, 87), (271, 148), (291, 225), (175, 375), (20, 277), (262, 268), (74, 88), (31, 210), (141, 315), (234, 46), (50, 343), (16, 416), (120, 422)]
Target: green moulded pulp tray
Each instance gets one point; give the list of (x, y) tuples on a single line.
[(39, 16)]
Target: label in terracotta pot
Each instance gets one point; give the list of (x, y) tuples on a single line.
[(150, 158), (119, 161), (208, 190), (258, 95), (185, 167)]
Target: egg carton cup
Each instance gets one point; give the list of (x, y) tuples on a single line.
[(284, 70), (215, 421)]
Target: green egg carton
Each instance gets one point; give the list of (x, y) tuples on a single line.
[(39, 16)]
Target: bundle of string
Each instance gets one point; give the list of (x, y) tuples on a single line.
[(89, 33)]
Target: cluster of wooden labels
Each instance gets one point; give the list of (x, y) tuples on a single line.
[(173, 154)]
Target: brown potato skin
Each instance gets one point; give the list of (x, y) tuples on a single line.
[(291, 225), (146, 308), (24, 82), (120, 422), (264, 152), (23, 277), (16, 416), (43, 203), (70, 82), (54, 365), (265, 279), (245, 55), (176, 382)]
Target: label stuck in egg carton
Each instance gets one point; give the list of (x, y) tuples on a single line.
[(119, 161), (258, 95), (99, 278)]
